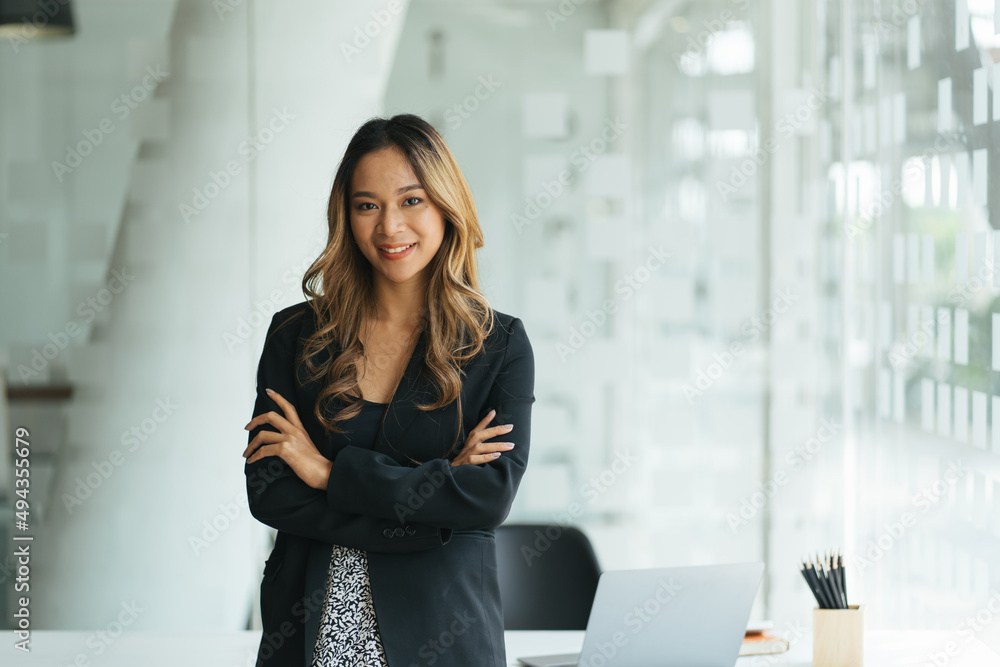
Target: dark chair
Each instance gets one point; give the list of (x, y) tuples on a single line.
[(548, 576)]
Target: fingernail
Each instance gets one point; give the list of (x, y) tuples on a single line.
[(270, 391), (496, 454), (508, 427), (510, 445), (492, 412)]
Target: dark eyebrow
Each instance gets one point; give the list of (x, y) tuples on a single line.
[(414, 186)]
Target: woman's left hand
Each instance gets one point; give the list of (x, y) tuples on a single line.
[(291, 443)]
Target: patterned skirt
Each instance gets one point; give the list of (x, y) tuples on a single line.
[(348, 632)]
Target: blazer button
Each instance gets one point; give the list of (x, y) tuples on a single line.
[(397, 532), (410, 530), (387, 532)]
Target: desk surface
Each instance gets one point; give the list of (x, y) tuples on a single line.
[(51, 648), (882, 649)]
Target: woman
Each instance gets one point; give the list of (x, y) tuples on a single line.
[(360, 452)]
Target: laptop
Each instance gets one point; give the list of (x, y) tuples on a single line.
[(692, 616)]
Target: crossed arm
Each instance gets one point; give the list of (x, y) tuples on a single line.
[(437, 493), (369, 496)]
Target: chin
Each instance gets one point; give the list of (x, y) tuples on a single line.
[(400, 276)]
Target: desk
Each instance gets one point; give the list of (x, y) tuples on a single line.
[(57, 648), (882, 649)]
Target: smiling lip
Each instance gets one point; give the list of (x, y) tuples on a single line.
[(399, 254)]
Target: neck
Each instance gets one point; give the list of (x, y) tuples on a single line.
[(400, 304)]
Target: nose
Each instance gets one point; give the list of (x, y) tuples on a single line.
[(392, 221)]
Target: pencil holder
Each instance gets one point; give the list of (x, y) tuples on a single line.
[(838, 637)]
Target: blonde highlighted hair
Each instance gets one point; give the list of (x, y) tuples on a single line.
[(339, 284)]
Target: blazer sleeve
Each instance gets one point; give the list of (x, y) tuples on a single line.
[(436, 493), (278, 498)]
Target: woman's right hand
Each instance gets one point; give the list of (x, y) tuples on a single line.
[(476, 451)]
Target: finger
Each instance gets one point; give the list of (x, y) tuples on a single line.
[(262, 438), (291, 414), (485, 457), (486, 420), (272, 418), (266, 450), (494, 431), (481, 434), (477, 459)]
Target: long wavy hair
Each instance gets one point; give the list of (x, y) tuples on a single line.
[(339, 285)]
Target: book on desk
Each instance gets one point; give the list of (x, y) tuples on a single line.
[(759, 641)]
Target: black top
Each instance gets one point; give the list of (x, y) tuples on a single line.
[(430, 556), (361, 429)]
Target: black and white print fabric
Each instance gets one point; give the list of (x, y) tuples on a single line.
[(348, 631)]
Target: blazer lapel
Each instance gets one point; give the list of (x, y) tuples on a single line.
[(413, 388)]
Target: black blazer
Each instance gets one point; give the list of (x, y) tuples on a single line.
[(427, 529)]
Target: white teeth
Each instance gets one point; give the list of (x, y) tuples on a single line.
[(393, 252)]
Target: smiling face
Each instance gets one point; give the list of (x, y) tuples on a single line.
[(389, 210)]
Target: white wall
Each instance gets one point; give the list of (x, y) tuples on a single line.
[(164, 340)]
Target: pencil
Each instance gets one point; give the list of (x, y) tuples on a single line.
[(814, 585), (824, 581), (809, 582), (843, 576), (828, 561)]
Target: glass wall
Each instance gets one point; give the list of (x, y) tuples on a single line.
[(770, 287), (745, 402), (835, 155), (915, 197)]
